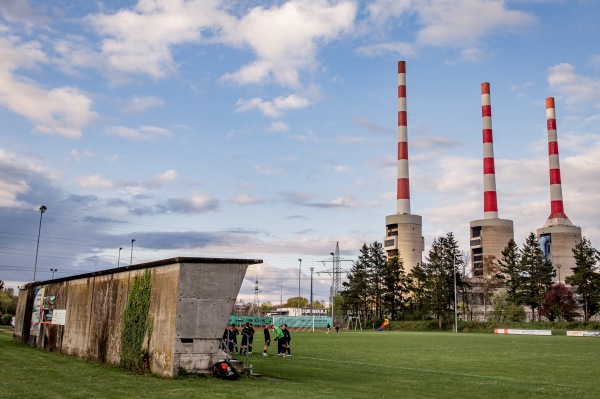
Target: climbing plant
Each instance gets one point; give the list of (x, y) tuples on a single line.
[(136, 324)]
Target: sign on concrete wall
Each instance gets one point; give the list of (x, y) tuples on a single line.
[(59, 317), (36, 313)]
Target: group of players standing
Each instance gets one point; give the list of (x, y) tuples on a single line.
[(282, 336)]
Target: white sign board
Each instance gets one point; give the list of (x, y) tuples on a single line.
[(583, 333), (59, 317)]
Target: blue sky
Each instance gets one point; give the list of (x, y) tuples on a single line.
[(268, 129)]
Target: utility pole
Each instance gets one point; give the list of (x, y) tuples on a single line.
[(256, 292)]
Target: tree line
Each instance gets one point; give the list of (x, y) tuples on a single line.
[(522, 279)]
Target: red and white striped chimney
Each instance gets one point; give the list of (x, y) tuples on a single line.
[(490, 202), (402, 187), (557, 211)]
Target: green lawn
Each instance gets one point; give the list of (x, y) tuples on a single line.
[(345, 365)]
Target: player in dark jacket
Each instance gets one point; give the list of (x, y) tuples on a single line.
[(287, 338), (267, 339), (246, 333)]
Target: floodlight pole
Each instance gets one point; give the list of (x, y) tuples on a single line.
[(455, 305), (119, 257), (131, 257), (311, 290), (299, 272), (311, 297), (42, 210), (53, 270)]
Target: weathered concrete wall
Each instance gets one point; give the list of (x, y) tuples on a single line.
[(207, 294), (163, 314), (190, 303)]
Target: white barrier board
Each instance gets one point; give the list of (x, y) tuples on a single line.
[(583, 333), (521, 332)]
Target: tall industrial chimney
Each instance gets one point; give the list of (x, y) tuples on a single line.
[(557, 210), (490, 202), (490, 235), (558, 236), (403, 230), (402, 185)]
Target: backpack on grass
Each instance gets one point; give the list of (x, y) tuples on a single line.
[(225, 370)]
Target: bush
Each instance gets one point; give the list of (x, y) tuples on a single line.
[(5, 321)]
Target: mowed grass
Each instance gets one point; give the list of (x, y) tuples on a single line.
[(365, 364)]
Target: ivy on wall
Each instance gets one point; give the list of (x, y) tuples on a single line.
[(136, 324)]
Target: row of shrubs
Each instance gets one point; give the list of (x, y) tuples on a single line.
[(558, 328)]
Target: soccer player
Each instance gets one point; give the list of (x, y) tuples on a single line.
[(267, 339)]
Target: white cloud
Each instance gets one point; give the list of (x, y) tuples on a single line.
[(286, 39), (273, 108), (141, 39), (95, 182), (462, 23), (247, 199), (14, 178), (381, 10), (458, 24), (167, 175), (61, 111), (341, 169), (575, 88)]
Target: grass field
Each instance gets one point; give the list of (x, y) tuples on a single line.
[(346, 365)]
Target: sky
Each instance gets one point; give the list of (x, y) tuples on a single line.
[(268, 129)]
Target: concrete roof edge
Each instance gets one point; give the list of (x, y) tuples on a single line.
[(157, 263)]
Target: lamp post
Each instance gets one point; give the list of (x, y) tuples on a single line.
[(42, 210), (119, 257), (558, 267), (131, 257), (53, 270), (455, 305), (299, 272)]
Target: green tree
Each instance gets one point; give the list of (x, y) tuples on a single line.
[(510, 274), (376, 266), (504, 309), (293, 302), (356, 288), (8, 301), (418, 299), (441, 267), (586, 277), (537, 272), (395, 288)]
